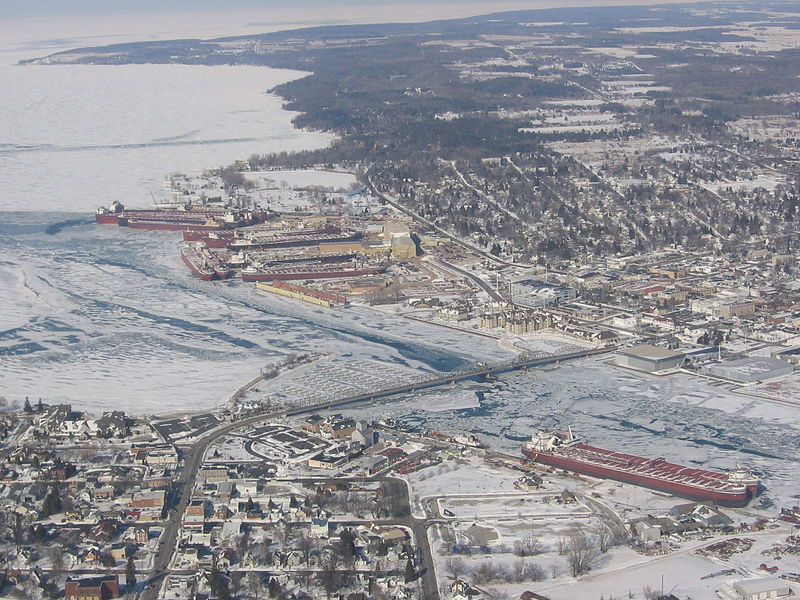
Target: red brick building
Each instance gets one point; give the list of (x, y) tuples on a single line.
[(93, 588)]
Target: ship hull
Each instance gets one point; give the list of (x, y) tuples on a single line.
[(166, 225), (108, 219), (197, 271), (719, 497)]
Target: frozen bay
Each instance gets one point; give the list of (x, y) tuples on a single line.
[(76, 137)]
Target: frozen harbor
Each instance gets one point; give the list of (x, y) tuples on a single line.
[(684, 420), (106, 317)]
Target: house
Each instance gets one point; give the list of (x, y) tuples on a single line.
[(710, 516), (313, 423), (461, 590), (338, 428), (112, 424), (103, 532), (55, 416), (92, 588), (92, 556)]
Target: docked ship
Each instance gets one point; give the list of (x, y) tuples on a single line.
[(203, 263), (565, 451), (304, 270), (185, 218)]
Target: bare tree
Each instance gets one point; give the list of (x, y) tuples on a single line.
[(534, 572), (57, 560), (517, 572), (329, 576), (455, 567), (254, 583), (527, 546), (605, 536), (562, 546), (306, 545), (581, 552), (484, 573)]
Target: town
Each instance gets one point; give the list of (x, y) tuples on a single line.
[(559, 188)]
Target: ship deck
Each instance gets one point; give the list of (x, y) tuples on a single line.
[(657, 468)]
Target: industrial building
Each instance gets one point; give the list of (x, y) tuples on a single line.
[(751, 369), (649, 358), (755, 589), (790, 355)]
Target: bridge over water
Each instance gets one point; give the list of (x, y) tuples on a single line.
[(473, 371)]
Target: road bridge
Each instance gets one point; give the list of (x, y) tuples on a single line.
[(474, 371)]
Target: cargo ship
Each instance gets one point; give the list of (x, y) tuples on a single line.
[(563, 450), (204, 264), (186, 218), (308, 271), (289, 240)]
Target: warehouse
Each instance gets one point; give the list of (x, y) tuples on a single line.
[(755, 589), (649, 358)]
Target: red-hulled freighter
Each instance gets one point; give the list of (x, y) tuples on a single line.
[(204, 264), (186, 218), (563, 450)]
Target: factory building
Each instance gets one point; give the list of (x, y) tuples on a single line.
[(755, 589)]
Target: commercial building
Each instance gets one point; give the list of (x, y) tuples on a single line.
[(536, 294)]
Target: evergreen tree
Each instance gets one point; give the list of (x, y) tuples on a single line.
[(219, 584), (411, 574), (39, 406), (27, 408), (52, 503), (130, 575)]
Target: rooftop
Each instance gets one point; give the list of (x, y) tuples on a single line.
[(650, 351)]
